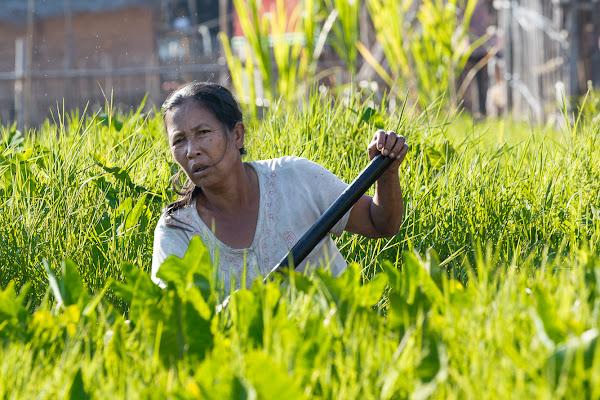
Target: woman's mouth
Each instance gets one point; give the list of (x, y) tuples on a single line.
[(198, 168)]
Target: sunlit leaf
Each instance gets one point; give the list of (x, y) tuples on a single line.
[(56, 285), (554, 327), (77, 390), (73, 286), (269, 380), (584, 346)]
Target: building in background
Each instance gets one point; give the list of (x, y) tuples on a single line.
[(66, 53), (73, 52)]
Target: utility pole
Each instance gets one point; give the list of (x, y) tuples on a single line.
[(223, 27), (69, 57), (573, 31), (223, 17), (19, 77), (509, 58), (28, 86), (596, 44), (193, 7)]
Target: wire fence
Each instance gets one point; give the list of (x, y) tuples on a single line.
[(31, 97), (550, 51), (548, 56)]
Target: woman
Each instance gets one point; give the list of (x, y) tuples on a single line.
[(253, 212)]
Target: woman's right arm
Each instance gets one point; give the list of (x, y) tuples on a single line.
[(167, 241)]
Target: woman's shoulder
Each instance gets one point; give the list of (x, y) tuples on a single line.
[(181, 218), (287, 164)]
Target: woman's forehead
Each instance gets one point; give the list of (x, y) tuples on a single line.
[(188, 115)]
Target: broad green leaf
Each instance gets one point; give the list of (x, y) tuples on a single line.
[(435, 158), (72, 284), (301, 282), (196, 328), (393, 274), (4, 161), (432, 266), (195, 267), (370, 293), (7, 302), (137, 289), (23, 293), (93, 303), (403, 313), (430, 364), (584, 346), (12, 305), (55, 284), (554, 327), (246, 315), (370, 116), (420, 278), (344, 286), (77, 390), (242, 390), (269, 379), (125, 207), (122, 290), (118, 172), (174, 270), (194, 297), (25, 155), (133, 217)]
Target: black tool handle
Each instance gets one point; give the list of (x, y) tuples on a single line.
[(334, 213)]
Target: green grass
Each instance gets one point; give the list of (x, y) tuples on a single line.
[(490, 289)]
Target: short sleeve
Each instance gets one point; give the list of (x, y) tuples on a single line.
[(322, 187), (167, 241)]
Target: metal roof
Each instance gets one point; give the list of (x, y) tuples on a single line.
[(15, 11)]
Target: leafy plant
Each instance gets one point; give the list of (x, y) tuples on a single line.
[(345, 31), (425, 51), (281, 46)]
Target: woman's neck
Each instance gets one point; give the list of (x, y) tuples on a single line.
[(235, 193)]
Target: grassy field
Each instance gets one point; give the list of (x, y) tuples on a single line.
[(490, 289)]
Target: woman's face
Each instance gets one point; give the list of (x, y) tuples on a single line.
[(201, 145)]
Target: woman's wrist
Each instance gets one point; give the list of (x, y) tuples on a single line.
[(390, 174)]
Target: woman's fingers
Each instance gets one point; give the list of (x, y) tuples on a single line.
[(398, 145), (388, 144), (390, 141), (402, 152), (380, 139)]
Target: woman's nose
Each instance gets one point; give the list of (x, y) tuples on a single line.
[(193, 150)]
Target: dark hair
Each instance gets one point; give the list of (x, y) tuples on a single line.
[(218, 100)]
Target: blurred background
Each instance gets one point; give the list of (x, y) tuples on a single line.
[(526, 58)]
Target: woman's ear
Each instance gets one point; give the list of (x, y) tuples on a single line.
[(240, 132)]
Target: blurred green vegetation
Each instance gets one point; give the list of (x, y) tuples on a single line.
[(490, 289)]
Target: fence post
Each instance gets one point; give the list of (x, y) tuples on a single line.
[(509, 58), (69, 53), (573, 29), (596, 45), (28, 84), (19, 78), (223, 27)]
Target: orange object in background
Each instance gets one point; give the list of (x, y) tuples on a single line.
[(266, 7)]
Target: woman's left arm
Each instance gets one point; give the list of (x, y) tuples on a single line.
[(381, 215)]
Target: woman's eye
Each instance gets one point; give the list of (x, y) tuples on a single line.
[(178, 140)]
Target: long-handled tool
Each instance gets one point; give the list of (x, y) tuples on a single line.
[(334, 213), (330, 217)]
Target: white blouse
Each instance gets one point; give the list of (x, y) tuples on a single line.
[(294, 193)]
